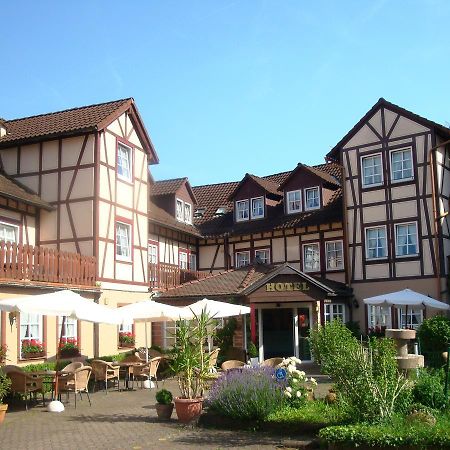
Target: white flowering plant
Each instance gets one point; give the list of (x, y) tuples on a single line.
[(298, 385)]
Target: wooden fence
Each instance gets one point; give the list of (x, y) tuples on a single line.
[(166, 276), (28, 263)]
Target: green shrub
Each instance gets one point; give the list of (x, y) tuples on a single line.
[(164, 397), (434, 334), (5, 383), (367, 379), (252, 350), (428, 390), (354, 327), (398, 432)]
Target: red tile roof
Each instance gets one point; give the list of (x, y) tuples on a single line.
[(167, 187), (69, 121), (269, 186)]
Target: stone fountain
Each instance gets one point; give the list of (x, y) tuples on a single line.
[(405, 360)]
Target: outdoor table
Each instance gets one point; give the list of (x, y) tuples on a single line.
[(129, 367), (45, 374)]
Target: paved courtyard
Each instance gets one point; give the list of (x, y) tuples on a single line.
[(123, 420)]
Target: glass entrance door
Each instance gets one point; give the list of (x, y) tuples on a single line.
[(304, 325), (278, 332)]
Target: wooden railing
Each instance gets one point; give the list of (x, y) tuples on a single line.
[(166, 276), (27, 263)]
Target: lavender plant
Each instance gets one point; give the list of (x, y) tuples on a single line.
[(251, 393)]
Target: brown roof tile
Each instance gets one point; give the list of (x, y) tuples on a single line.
[(13, 189), (167, 187), (69, 121)]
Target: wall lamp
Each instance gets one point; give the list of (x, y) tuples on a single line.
[(12, 318)]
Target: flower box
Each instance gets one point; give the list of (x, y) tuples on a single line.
[(126, 339), (33, 355), (32, 348), (68, 348)]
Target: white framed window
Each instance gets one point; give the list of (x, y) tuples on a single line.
[(152, 253), (257, 207), (187, 212), (126, 327), (9, 233), (294, 202), (31, 328), (124, 158), (311, 257), (335, 255), (379, 316), (372, 170), (376, 244), (312, 198), (406, 239), (179, 210), (263, 255), (241, 210), (242, 259), (401, 165), (123, 241), (192, 261), (183, 260), (70, 329), (334, 311), (413, 319)]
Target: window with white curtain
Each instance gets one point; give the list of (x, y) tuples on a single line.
[(334, 311), (263, 255), (412, 318), (312, 198), (294, 201), (257, 207), (335, 255), (124, 169), (242, 259), (241, 210), (192, 261), (379, 316), (123, 241), (406, 239), (183, 260), (152, 254), (70, 327), (376, 245), (180, 210), (31, 327), (372, 170), (311, 258), (9, 233), (187, 212)]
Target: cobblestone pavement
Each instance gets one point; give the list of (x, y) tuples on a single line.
[(121, 420)]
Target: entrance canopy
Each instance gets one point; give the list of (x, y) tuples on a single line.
[(61, 303), (215, 309), (407, 298)]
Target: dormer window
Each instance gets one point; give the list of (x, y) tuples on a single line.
[(241, 210), (180, 210), (257, 208), (294, 202), (199, 212), (187, 212), (220, 211), (312, 198)]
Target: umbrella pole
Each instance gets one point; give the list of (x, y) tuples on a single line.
[(58, 351), (146, 343)]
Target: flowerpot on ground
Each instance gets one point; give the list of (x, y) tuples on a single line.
[(188, 409), (164, 411), (3, 408)]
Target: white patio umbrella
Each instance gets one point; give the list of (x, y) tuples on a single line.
[(407, 298), (150, 311), (218, 310), (60, 303)]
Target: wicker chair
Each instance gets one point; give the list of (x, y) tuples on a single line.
[(232, 364), (23, 383), (147, 371), (105, 371), (213, 360), (76, 382), (71, 367), (272, 362)]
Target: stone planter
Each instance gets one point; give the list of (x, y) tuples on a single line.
[(188, 409), (3, 408), (164, 411)]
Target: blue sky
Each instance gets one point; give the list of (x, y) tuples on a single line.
[(228, 87)]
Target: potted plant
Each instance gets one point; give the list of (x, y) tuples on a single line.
[(164, 405), (32, 348), (191, 365), (5, 383), (3, 350), (68, 348), (126, 339)]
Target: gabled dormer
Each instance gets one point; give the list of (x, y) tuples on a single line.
[(176, 197), (252, 196), (309, 188)]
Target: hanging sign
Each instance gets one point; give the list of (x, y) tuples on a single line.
[(286, 287)]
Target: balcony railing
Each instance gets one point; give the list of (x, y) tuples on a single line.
[(165, 276), (27, 263)]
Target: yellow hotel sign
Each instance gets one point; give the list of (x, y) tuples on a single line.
[(286, 287)]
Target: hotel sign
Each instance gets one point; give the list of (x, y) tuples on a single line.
[(286, 287)]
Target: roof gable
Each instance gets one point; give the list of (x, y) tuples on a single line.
[(324, 176), (372, 117), (270, 187)]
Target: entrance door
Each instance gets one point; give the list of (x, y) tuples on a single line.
[(304, 325), (278, 332)]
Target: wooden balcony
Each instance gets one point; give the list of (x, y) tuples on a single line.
[(39, 264), (164, 276)]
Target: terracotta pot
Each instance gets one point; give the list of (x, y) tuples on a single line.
[(188, 409), (3, 408), (164, 411)]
